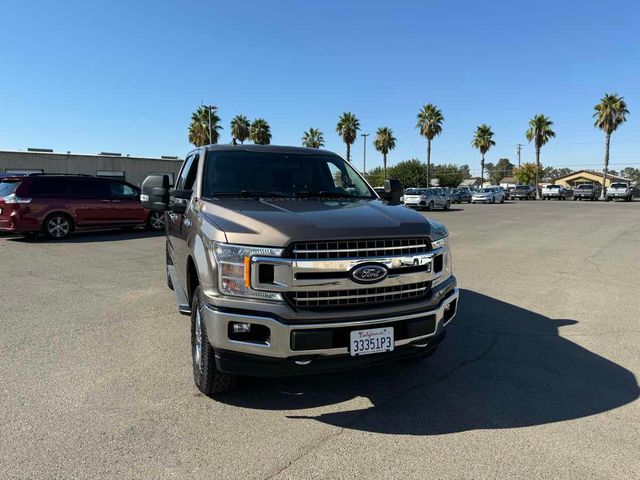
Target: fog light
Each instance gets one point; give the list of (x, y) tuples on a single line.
[(240, 327)]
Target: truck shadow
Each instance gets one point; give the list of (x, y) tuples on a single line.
[(501, 366), (91, 236)]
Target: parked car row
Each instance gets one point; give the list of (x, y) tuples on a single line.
[(56, 205)]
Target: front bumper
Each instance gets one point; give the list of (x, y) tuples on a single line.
[(288, 343), (481, 199)]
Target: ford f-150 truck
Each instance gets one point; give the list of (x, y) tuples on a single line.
[(289, 263)]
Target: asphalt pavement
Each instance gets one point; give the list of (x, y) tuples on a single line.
[(537, 377)]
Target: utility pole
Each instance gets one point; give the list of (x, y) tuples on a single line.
[(518, 147), (364, 166), (209, 107)]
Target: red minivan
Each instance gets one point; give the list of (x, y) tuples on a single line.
[(56, 205)]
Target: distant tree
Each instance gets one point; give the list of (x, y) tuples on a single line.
[(527, 173), (466, 171), (504, 168), (410, 173), (375, 177), (448, 175), (540, 133), (260, 132), (240, 127), (204, 128), (483, 141), (347, 127), (488, 166), (430, 120), (610, 113), (313, 138), (633, 174), (384, 143), (551, 173)]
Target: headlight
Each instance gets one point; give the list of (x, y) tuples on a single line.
[(442, 242), (234, 269)]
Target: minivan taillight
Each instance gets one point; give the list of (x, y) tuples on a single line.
[(14, 199)]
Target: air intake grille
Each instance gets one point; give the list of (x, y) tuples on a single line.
[(357, 296), (359, 248)]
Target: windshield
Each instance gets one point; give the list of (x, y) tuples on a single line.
[(414, 191), (8, 187), (553, 187), (486, 190), (585, 187), (521, 187), (246, 173)]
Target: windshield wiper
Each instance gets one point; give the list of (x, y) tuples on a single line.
[(324, 193), (251, 194)]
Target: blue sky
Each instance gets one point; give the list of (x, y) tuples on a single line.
[(124, 76)]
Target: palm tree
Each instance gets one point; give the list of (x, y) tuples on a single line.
[(430, 122), (240, 128), (347, 128), (260, 132), (204, 127), (540, 133), (610, 113), (384, 143), (483, 141), (313, 138)]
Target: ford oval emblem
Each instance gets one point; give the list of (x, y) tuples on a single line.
[(369, 273)]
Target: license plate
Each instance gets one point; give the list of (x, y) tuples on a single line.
[(374, 340)]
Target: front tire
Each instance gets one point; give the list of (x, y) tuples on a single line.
[(58, 226), (430, 206), (206, 376), (447, 205)]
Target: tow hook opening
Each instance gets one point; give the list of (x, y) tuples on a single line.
[(449, 311)]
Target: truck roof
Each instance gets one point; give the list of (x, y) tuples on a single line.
[(267, 148)]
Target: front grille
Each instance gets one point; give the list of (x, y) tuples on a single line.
[(357, 296), (359, 248)]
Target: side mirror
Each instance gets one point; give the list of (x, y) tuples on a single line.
[(179, 200), (392, 191), (155, 193)]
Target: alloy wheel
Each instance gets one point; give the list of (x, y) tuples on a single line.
[(156, 220), (58, 226)]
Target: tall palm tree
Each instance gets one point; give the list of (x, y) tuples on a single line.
[(540, 133), (260, 132), (384, 143), (240, 126), (313, 138), (430, 122), (610, 113), (347, 128), (483, 141), (205, 126)]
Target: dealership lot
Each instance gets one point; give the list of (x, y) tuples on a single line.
[(537, 378)]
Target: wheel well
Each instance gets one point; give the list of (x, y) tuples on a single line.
[(192, 278)]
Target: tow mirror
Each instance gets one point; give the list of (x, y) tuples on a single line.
[(392, 191), (179, 200), (155, 193)]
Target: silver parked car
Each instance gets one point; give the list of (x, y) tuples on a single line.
[(426, 198), (488, 195)]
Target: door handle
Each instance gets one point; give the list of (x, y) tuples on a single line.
[(105, 201)]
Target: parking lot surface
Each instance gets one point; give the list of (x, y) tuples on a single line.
[(536, 379)]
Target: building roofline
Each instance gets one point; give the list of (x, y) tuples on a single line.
[(592, 172), (96, 155)]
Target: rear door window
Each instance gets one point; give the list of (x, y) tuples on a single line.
[(7, 188), (89, 188), (48, 187)]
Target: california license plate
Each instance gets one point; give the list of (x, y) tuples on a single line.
[(374, 340)]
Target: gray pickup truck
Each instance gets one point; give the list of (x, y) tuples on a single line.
[(289, 263)]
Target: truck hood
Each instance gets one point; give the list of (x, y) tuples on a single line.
[(277, 222)]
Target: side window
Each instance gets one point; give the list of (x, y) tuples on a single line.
[(340, 181), (88, 188), (122, 190), (188, 174), (48, 187)]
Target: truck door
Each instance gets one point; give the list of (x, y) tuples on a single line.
[(176, 229)]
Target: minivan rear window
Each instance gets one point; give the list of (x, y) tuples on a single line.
[(8, 187)]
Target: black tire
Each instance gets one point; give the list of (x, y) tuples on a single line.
[(430, 206), (493, 199), (469, 201), (502, 200), (57, 226), (206, 376), (156, 221), (574, 199), (447, 205)]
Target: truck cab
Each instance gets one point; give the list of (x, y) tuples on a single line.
[(289, 263)]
